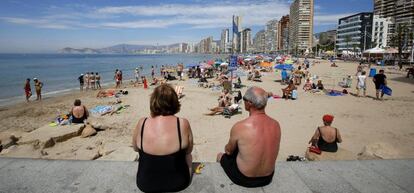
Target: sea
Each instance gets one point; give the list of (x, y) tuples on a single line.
[(59, 72)]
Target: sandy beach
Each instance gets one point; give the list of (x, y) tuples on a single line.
[(361, 121)]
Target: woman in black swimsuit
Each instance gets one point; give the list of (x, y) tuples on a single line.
[(164, 143), (77, 115), (326, 137)]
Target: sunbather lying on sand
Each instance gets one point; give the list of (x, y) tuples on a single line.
[(219, 110), (106, 93)]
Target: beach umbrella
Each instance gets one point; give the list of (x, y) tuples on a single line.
[(210, 62), (266, 64), (224, 64), (284, 66), (375, 50)]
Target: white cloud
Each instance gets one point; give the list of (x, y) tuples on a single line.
[(199, 16), (203, 16), (40, 23)]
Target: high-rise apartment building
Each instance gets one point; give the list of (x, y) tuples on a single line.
[(283, 34), (271, 31), (225, 41), (353, 32), (246, 40), (382, 31), (301, 25), (259, 42), (236, 34), (205, 46), (401, 13)]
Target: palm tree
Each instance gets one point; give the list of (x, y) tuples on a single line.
[(398, 40)]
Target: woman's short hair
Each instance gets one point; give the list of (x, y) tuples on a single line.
[(77, 102), (164, 101)]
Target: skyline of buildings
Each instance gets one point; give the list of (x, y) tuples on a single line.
[(293, 33)]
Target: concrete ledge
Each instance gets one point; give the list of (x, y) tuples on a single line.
[(31, 175)]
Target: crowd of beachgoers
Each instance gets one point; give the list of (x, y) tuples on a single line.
[(246, 85)]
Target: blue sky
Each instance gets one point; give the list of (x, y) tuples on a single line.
[(47, 26)]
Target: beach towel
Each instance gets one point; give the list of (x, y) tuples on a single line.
[(62, 120), (334, 93), (101, 109)]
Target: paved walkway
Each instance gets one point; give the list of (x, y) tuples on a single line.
[(29, 175)]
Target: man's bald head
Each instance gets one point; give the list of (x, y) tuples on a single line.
[(257, 96)]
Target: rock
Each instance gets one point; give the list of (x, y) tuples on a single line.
[(108, 147), (6, 143), (47, 136), (96, 124), (21, 151), (378, 151), (341, 154), (88, 131), (121, 154), (8, 139)]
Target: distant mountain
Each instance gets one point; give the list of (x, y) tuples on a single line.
[(117, 49), (79, 51)]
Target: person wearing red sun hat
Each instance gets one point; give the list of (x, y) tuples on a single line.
[(326, 137)]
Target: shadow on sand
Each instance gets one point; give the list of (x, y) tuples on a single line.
[(404, 79)]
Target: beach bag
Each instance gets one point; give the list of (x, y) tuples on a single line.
[(294, 94), (315, 149), (227, 112), (386, 90)]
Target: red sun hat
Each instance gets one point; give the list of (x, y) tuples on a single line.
[(328, 118)]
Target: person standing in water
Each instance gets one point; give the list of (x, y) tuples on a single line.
[(38, 87), (98, 81), (81, 82), (87, 80), (92, 78), (152, 72), (27, 90)]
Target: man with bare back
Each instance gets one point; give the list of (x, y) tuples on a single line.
[(250, 155)]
